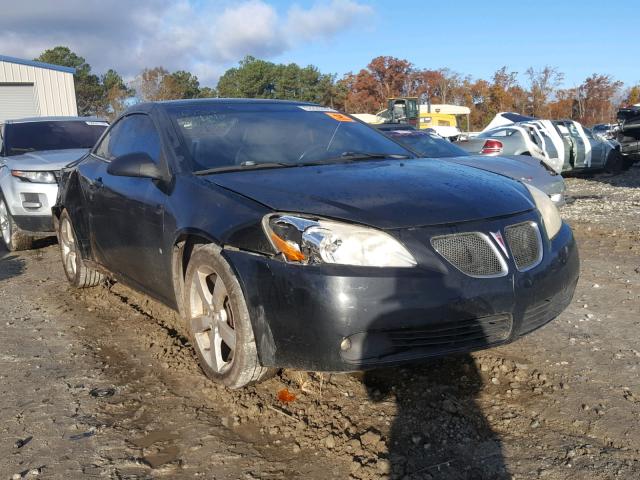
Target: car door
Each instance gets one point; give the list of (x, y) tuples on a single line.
[(597, 146), (127, 213), (582, 158)]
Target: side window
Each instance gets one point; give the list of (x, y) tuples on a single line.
[(102, 150), (498, 133), (134, 133)]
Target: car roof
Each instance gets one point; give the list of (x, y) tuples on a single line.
[(393, 126), (146, 107), (53, 119)]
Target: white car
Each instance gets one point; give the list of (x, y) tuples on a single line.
[(564, 145), (32, 153)]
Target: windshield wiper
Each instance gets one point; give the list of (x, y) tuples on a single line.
[(244, 166), (20, 150), (355, 155), (346, 157)]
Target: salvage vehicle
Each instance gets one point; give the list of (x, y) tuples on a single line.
[(608, 131), (292, 235), (565, 145), (32, 152), (524, 168), (508, 140), (628, 134)]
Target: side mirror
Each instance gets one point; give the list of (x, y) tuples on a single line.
[(137, 164)]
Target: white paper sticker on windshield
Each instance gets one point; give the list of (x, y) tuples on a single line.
[(316, 108), (97, 124)]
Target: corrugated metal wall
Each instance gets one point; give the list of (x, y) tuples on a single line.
[(54, 90)]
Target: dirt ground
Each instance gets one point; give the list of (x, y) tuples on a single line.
[(103, 383)]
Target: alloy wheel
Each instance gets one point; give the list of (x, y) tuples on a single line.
[(5, 223), (211, 319), (69, 249)]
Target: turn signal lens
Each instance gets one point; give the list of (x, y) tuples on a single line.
[(289, 249)]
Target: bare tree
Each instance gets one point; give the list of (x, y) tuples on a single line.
[(542, 84)]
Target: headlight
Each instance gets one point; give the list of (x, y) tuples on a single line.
[(548, 211), (34, 177), (309, 241)]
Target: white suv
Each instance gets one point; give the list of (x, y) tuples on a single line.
[(32, 153)]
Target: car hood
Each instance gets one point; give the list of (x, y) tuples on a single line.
[(511, 166), (384, 194), (45, 160)]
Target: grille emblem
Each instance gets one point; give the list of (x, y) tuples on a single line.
[(497, 236)]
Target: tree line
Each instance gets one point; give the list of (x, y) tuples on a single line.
[(595, 100)]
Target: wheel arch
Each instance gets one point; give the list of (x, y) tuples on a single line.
[(183, 246)]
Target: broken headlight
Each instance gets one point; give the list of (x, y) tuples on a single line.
[(315, 241), (548, 211)]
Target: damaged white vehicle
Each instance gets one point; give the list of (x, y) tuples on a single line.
[(565, 145)]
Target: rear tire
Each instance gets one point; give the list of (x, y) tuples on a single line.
[(615, 162), (218, 321), (627, 163), (78, 274), (13, 238)]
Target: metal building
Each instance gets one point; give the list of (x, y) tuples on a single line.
[(35, 89)]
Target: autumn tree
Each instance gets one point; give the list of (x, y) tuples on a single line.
[(500, 91), (595, 99), (632, 96), (542, 84), (157, 83), (115, 95), (563, 105), (384, 77)]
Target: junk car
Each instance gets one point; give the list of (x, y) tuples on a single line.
[(292, 235)]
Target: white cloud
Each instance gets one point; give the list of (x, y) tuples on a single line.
[(323, 20), (203, 37)]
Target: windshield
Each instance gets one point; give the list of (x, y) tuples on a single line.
[(229, 135), (52, 135), (427, 145)]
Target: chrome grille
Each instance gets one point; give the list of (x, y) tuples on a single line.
[(525, 244), (472, 253)]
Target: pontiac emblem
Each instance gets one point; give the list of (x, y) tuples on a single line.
[(497, 236)]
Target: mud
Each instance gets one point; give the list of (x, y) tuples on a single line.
[(103, 383)]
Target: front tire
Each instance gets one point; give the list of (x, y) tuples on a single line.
[(218, 321), (78, 274), (615, 162), (13, 238)]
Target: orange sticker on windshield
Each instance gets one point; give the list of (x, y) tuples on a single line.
[(339, 117)]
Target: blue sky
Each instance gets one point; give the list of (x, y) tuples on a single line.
[(477, 38), (208, 36)]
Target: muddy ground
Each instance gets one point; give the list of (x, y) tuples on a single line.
[(103, 383)]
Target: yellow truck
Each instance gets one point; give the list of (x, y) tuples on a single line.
[(445, 119)]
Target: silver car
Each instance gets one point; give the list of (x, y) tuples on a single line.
[(506, 140), (519, 167), (564, 145), (32, 153)]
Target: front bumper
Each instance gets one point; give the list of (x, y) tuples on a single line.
[(30, 203), (34, 223), (340, 318)]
